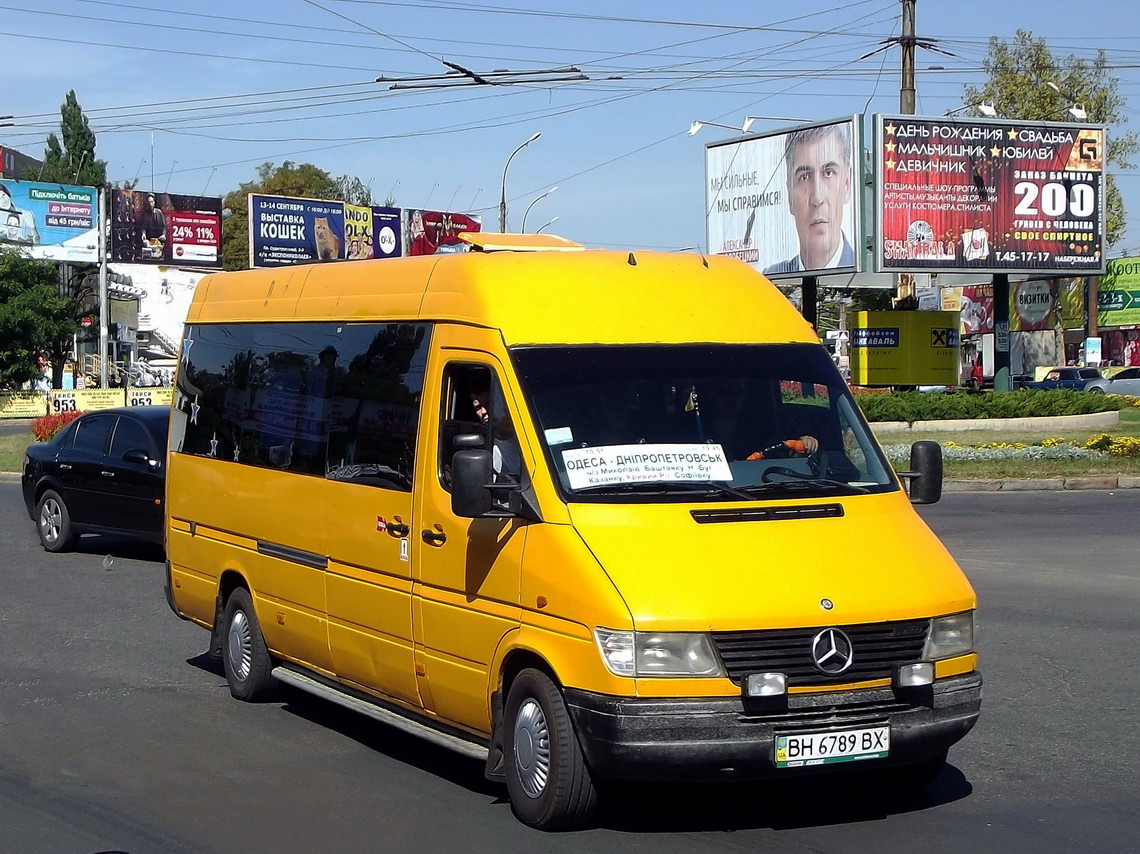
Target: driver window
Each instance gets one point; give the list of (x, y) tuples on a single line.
[(473, 404)]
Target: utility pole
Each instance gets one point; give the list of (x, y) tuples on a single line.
[(904, 288)]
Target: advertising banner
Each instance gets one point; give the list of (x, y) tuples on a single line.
[(166, 228), (977, 309), (1118, 295), (285, 230), (437, 232), (995, 196), (22, 404), (1071, 296), (784, 202), (85, 399), (905, 348), (156, 396), (1032, 305), (51, 222)]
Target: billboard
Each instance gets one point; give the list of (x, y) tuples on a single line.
[(989, 196), (787, 202), (1032, 305), (52, 222), (166, 228), (1118, 294), (905, 348), (285, 230), (16, 165), (437, 232)]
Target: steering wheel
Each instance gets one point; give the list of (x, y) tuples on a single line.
[(817, 467)]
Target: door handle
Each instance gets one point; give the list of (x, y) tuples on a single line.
[(64, 467), (107, 473), (434, 538), (397, 529)]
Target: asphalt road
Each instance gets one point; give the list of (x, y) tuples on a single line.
[(117, 734)]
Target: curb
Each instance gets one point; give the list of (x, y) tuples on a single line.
[(1123, 481), (1043, 424)]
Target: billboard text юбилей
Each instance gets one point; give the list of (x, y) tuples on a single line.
[(788, 202), (989, 196), (166, 228), (50, 222)]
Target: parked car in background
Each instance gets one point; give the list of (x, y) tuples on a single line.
[(103, 473), (1065, 377), (1124, 382)]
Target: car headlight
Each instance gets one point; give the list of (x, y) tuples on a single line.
[(658, 653), (950, 636)]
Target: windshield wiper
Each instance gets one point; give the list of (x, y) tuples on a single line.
[(656, 487), (810, 483)]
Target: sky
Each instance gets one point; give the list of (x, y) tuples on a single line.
[(190, 98)]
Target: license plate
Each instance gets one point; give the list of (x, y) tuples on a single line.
[(824, 748)]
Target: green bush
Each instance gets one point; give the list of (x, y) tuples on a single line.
[(911, 406)]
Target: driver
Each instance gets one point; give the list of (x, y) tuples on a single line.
[(720, 406)]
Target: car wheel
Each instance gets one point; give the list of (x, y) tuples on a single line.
[(244, 654), (1096, 391), (549, 784), (54, 523)]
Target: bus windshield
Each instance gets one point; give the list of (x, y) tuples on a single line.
[(707, 421)]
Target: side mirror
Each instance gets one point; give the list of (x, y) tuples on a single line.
[(925, 472), (470, 474), (139, 457)]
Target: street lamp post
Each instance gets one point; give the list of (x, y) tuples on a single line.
[(532, 204), (545, 224), (503, 193)]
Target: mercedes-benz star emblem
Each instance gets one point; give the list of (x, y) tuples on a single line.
[(832, 652)]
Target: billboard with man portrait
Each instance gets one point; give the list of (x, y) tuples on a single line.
[(787, 202), (989, 196), (166, 229)]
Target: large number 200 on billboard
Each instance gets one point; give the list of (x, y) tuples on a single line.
[(990, 196)]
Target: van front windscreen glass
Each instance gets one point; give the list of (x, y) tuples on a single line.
[(678, 422)]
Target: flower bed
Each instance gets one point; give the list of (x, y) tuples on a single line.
[(911, 406), (1102, 446)]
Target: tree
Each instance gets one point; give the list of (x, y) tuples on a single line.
[(73, 161), (353, 191), (1019, 76), (305, 181), (34, 317)]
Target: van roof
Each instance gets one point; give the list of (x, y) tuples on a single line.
[(587, 297)]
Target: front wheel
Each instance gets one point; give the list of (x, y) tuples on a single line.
[(547, 778), (53, 523), (244, 653), (1096, 391)]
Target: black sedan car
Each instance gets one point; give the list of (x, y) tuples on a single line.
[(103, 473)]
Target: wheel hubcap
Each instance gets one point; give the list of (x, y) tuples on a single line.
[(240, 643), (51, 520), (532, 748)]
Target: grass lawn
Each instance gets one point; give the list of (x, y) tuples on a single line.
[(12, 451)]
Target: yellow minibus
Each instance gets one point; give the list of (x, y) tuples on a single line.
[(584, 515)]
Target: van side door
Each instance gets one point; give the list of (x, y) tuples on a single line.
[(467, 571), (367, 504)]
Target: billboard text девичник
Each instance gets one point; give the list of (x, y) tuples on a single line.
[(989, 196)]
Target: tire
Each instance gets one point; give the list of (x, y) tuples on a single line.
[(245, 657), (1096, 391), (53, 523), (549, 784)]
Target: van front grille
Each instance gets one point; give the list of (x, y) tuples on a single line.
[(877, 648)]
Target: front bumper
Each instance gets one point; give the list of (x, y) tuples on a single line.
[(719, 739)]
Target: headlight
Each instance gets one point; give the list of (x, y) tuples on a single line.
[(657, 653), (950, 636)]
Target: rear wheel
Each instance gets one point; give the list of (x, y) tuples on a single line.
[(547, 778), (1096, 391), (244, 654), (54, 523)]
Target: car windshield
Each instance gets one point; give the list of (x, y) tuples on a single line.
[(698, 422)]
